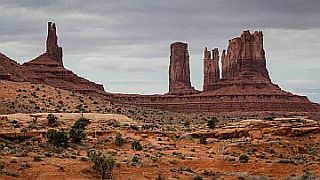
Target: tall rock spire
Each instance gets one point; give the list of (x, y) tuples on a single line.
[(179, 70), (245, 57), (210, 68), (52, 47)]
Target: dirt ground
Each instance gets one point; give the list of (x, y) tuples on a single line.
[(283, 148)]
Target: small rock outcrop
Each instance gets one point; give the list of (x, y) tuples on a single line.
[(179, 70), (10, 70)]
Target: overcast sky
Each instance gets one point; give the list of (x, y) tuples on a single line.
[(124, 44)]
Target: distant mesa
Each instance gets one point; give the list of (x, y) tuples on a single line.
[(241, 84)]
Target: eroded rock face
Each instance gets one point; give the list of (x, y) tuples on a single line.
[(245, 58), (49, 68), (244, 86), (179, 70), (211, 68), (53, 49)]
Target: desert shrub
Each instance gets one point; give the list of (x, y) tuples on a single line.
[(203, 139), (36, 158), (2, 165), (269, 118), (160, 176), (103, 164), (57, 138), (135, 145), (13, 174), (14, 160), (244, 158), (81, 123), (52, 120), (119, 140), (197, 177), (83, 159), (47, 154), (76, 135), (135, 159), (136, 128), (212, 122), (187, 123)]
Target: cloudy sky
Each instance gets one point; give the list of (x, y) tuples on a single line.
[(124, 44)]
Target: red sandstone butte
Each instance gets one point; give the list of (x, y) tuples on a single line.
[(179, 70), (244, 85), (50, 70)]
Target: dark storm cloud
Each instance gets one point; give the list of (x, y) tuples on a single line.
[(127, 41)]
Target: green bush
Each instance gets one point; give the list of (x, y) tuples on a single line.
[(119, 140), (135, 159), (203, 139), (57, 138), (269, 118), (76, 135), (197, 177), (244, 158), (81, 123), (103, 164), (212, 122), (36, 158), (52, 120), (135, 145)]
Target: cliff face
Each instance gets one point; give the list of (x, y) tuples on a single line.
[(179, 70), (245, 58), (211, 68), (243, 67), (49, 68), (13, 71)]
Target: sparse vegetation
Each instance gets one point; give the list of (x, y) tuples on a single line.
[(36, 158), (135, 159), (119, 140), (244, 158), (76, 133), (52, 120), (81, 123), (103, 164), (203, 139), (269, 118), (212, 122), (57, 138), (135, 145)]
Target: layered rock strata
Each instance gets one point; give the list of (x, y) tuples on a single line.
[(243, 66), (179, 70), (244, 86), (50, 70), (211, 68)]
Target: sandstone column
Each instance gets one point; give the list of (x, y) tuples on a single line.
[(179, 70), (211, 69), (52, 47)]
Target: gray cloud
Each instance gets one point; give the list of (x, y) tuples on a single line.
[(128, 41)]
